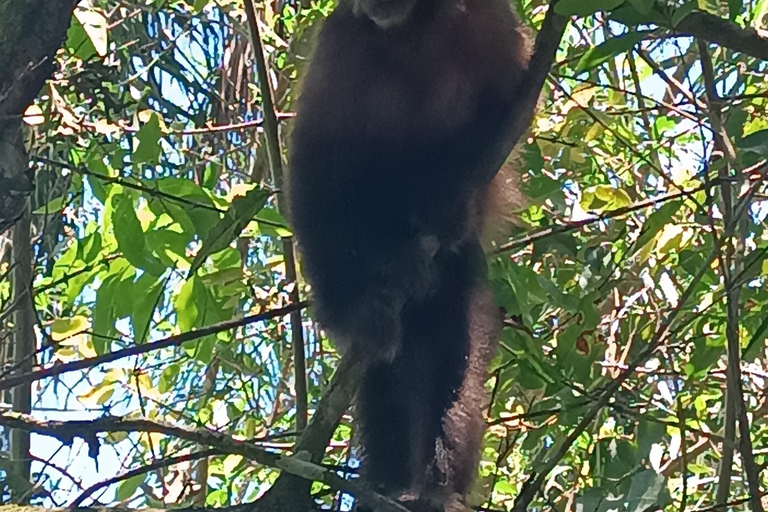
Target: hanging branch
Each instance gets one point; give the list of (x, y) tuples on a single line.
[(272, 142), (731, 264)]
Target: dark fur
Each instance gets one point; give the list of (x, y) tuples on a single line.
[(390, 170)]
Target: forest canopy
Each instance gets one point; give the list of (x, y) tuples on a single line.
[(158, 338)]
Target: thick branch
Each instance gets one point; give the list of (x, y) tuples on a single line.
[(547, 44), (708, 27), (290, 492), (30, 34), (67, 431)]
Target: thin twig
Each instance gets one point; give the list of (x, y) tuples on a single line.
[(536, 480), (170, 341), (164, 463)]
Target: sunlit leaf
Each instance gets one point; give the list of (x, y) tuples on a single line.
[(608, 50), (240, 213)]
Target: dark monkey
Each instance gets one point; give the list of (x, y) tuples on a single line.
[(400, 112)]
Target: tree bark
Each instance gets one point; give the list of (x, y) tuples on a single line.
[(30, 34)]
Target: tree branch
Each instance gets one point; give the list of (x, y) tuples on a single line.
[(731, 264), (545, 49), (709, 27), (290, 492), (536, 480), (170, 341), (67, 431), (272, 141)]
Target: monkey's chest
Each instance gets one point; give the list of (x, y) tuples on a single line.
[(409, 103)]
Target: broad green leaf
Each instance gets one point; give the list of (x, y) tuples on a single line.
[(756, 142), (148, 291), (78, 42), (240, 213), (585, 7), (272, 223), (655, 222), (127, 229), (127, 488), (95, 26), (148, 149), (52, 207), (632, 16), (607, 51), (130, 236), (186, 305)]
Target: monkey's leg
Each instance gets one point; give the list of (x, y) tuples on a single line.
[(401, 404), (464, 424), (360, 295)]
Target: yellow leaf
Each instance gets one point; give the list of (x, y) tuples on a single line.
[(577, 155), (231, 463), (63, 328), (85, 347), (98, 395), (66, 354)]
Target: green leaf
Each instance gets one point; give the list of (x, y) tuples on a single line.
[(734, 9), (148, 149), (242, 211), (756, 142), (655, 222), (608, 50), (648, 434), (272, 223), (643, 6), (585, 7), (647, 489), (128, 231), (78, 43), (130, 236), (759, 334), (631, 16), (147, 291), (682, 12), (169, 377), (527, 377), (127, 488), (51, 207), (94, 24)]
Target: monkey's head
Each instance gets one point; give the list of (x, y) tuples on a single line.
[(385, 13)]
